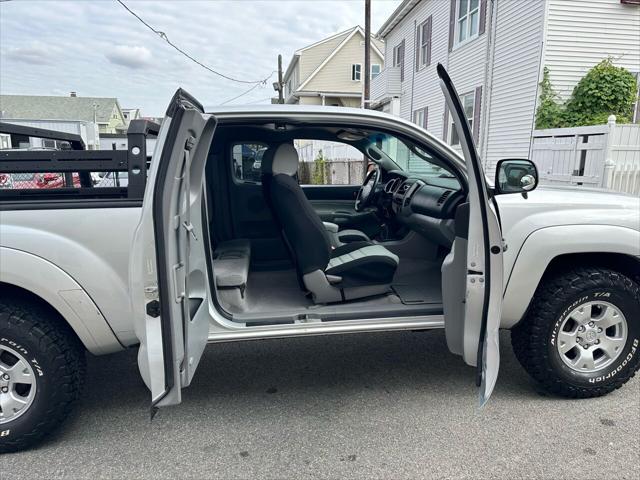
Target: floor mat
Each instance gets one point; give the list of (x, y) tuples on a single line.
[(418, 283)]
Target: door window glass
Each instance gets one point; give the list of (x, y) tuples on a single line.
[(329, 163)]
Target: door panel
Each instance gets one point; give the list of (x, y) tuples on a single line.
[(472, 321), (169, 289), (336, 204)]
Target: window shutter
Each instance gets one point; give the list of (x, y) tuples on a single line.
[(452, 23), (483, 17), (425, 119), (476, 114), (445, 126), (429, 29)]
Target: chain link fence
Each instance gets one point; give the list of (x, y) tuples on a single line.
[(22, 181)]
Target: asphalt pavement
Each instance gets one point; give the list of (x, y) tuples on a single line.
[(385, 405)]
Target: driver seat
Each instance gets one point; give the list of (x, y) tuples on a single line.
[(330, 273)]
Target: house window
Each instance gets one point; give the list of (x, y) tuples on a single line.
[(468, 20), (420, 117), (356, 72), (468, 104), (424, 44), (375, 70), (398, 58)]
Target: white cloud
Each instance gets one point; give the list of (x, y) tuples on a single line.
[(35, 55), (102, 50), (131, 57)]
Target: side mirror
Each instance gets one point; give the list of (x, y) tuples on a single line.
[(515, 176)]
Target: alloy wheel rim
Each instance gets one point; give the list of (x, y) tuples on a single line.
[(17, 384), (592, 336)]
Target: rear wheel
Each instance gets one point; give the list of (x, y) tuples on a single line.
[(581, 337), (42, 370)]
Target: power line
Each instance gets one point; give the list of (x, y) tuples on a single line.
[(255, 102), (164, 37), (242, 94)]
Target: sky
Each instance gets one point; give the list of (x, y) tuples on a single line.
[(97, 48)]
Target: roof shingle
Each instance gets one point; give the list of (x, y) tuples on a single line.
[(57, 108)]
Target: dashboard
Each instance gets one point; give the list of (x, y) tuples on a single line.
[(422, 206)]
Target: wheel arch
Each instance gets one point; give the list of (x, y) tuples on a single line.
[(54, 290), (626, 264), (549, 250)]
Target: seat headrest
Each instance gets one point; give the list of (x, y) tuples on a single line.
[(285, 160)]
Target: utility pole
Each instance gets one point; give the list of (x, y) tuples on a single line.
[(367, 52), (280, 84)]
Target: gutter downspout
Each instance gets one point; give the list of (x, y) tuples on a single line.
[(413, 70), (541, 63), (488, 82)]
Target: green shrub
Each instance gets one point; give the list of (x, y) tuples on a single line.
[(605, 90), (549, 113), (319, 169)]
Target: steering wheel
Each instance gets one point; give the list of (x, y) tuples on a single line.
[(365, 194)]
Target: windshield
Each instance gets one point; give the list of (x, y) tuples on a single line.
[(414, 160)]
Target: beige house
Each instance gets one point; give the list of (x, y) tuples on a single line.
[(330, 72)]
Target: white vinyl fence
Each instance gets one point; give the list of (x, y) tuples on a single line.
[(603, 156)]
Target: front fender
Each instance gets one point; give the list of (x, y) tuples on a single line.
[(63, 293), (545, 244)]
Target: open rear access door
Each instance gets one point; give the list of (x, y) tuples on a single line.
[(472, 273), (168, 273)]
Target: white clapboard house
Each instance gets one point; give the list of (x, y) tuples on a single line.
[(495, 51)]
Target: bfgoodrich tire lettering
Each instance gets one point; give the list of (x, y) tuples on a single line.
[(535, 339), (56, 357)]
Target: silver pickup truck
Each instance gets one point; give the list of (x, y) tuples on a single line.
[(223, 246)]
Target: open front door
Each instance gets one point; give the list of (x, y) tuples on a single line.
[(472, 273), (168, 275)]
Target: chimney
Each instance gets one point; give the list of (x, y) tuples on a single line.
[(73, 94)]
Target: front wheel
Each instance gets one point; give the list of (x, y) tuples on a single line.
[(581, 336), (42, 369)]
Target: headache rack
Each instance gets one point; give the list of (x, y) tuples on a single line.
[(76, 175)]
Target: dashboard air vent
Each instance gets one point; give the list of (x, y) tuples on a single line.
[(444, 196)]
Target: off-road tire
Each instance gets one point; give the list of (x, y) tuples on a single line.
[(58, 360), (532, 338)]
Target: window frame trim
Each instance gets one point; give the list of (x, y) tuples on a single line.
[(452, 126), (423, 60), (456, 31), (425, 119), (353, 71), (371, 70)]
